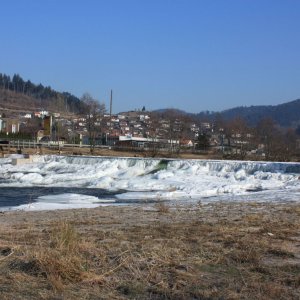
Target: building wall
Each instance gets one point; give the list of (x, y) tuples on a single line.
[(9, 126)]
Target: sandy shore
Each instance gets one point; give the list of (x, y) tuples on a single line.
[(200, 251)]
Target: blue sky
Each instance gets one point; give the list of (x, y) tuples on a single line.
[(188, 54)]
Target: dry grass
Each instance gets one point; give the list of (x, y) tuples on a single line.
[(162, 207), (217, 251)]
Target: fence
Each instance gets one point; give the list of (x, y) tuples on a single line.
[(19, 145)]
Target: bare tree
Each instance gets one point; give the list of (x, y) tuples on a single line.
[(152, 134), (32, 126), (241, 133), (290, 142), (177, 129), (272, 139), (94, 111)]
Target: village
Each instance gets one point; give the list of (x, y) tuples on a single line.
[(140, 130)]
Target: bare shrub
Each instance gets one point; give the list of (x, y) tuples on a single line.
[(163, 208)]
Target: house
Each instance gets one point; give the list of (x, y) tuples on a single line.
[(9, 125), (39, 135), (41, 114), (187, 143), (44, 113), (195, 128), (205, 125), (131, 141), (27, 116)]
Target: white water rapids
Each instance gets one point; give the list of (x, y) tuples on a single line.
[(154, 179)]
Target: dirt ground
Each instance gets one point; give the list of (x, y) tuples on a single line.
[(153, 251), (106, 152)]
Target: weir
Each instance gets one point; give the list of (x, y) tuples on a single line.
[(148, 179), (211, 165)]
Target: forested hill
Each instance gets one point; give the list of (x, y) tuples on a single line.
[(16, 93), (286, 114), (20, 95)]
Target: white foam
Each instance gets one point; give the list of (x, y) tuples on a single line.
[(153, 179)]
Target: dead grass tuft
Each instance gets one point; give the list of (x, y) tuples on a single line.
[(60, 259), (162, 208), (63, 237)]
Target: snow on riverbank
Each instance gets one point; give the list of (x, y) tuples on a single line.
[(155, 179)]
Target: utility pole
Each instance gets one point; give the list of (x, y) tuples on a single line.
[(110, 112), (110, 108)]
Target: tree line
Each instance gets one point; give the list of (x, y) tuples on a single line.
[(285, 115), (277, 143), (46, 94)]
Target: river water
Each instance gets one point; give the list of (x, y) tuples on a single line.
[(59, 182)]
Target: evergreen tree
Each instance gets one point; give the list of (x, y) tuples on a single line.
[(203, 141)]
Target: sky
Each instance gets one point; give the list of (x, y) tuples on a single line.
[(192, 55)]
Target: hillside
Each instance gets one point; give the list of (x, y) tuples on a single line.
[(11, 101), (19, 95), (286, 114)]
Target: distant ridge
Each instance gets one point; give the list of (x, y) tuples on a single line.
[(285, 115), (17, 94)]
